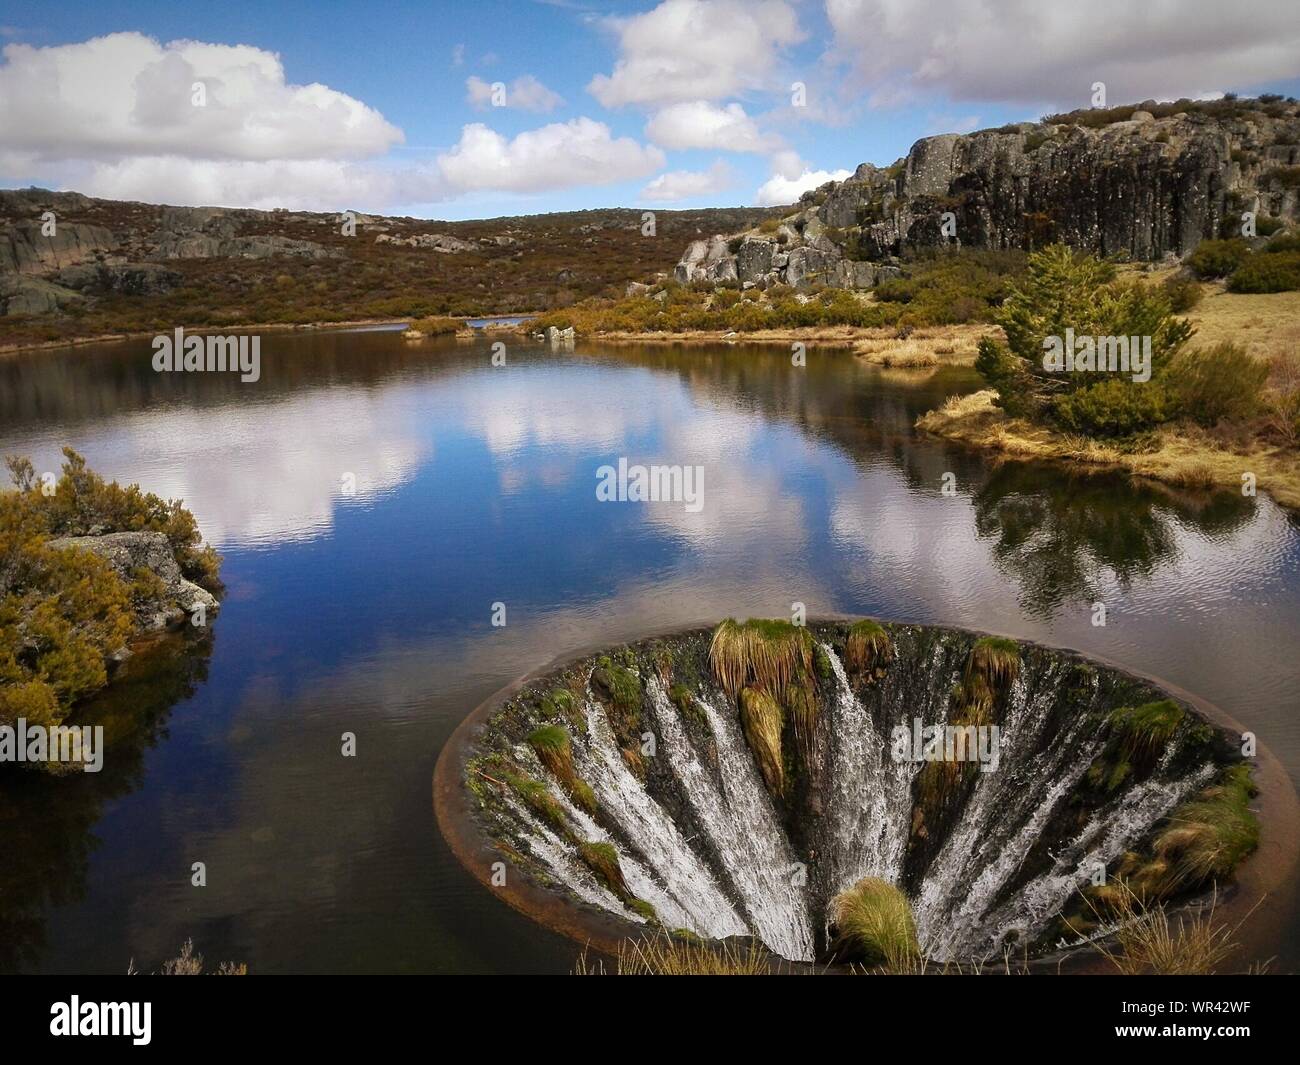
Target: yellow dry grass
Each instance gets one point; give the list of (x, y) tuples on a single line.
[(1186, 457), (1265, 325), (951, 345)]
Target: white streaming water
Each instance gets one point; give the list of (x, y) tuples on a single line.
[(686, 878), (742, 824), (640, 880), (870, 804), (970, 904), (562, 861)]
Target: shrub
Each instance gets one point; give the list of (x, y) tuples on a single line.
[(1064, 291), (1217, 258), (1279, 272), (1286, 176), (83, 503), (1286, 242), (1183, 293), (1112, 408), (62, 611), (1283, 400), (1218, 382)]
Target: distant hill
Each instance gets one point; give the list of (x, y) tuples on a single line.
[(1145, 181), (115, 266)]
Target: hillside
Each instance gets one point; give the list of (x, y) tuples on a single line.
[(114, 267), (1143, 182)]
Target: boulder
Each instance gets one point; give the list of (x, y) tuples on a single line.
[(135, 279), (24, 249), (32, 295), (128, 552)]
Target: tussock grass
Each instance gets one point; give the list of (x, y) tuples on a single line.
[(996, 659), (974, 702), (538, 798), (935, 782), (602, 859), (667, 955), (763, 721), (1209, 836), (1144, 730), (873, 924), (551, 743), (867, 646), (1150, 942), (804, 709), (760, 653)]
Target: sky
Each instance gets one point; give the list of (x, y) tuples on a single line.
[(482, 108)]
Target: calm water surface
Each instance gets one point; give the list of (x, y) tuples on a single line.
[(371, 613)]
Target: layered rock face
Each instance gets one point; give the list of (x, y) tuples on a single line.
[(1142, 188), (42, 272)]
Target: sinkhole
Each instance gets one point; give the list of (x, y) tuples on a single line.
[(846, 791)]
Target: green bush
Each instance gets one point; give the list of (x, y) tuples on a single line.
[(1286, 242), (1183, 293), (1113, 407), (83, 503), (64, 610), (1279, 272), (1286, 176), (1217, 258), (1218, 382)]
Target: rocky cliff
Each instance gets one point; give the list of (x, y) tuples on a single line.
[(1141, 182)]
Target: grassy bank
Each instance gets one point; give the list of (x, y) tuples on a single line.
[(1216, 402), (1184, 456)]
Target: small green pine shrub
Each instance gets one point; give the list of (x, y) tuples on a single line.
[(1112, 408)]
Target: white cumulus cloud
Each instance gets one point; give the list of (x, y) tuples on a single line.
[(525, 93), (780, 189), (126, 94), (1032, 52), (700, 124), (696, 50), (559, 155), (689, 184)]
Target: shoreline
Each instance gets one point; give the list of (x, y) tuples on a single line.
[(1185, 459), (928, 347), (266, 327)]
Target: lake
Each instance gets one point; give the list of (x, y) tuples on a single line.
[(374, 499)]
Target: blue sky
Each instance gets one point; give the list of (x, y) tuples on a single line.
[(671, 104)]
